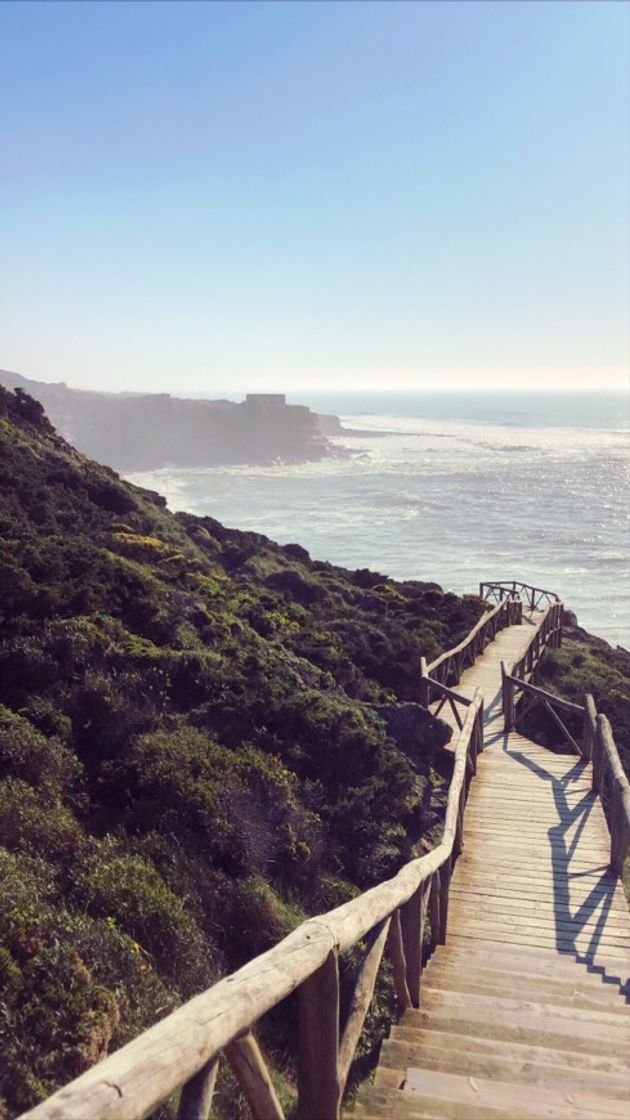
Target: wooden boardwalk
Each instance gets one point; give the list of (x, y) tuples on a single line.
[(524, 1011)]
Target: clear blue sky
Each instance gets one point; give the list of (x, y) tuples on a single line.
[(310, 195)]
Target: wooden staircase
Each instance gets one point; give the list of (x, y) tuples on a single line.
[(506, 1032), (523, 1012)]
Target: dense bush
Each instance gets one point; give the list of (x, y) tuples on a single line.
[(587, 664)]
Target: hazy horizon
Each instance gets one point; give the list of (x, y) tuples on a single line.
[(292, 391), (309, 196)]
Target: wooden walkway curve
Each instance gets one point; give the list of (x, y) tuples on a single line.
[(524, 1010)]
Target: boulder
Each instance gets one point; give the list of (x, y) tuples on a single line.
[(414, 728)]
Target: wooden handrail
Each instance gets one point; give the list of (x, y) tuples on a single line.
[(501, 589), (597, 744), (610, 783), (181, 1051), (517, 680), (447, 669)]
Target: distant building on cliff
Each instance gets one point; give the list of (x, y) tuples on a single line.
[(265, 402)]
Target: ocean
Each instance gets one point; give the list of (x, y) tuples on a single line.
[(463, 487)]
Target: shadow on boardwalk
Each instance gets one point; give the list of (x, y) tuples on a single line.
[(570, 924)]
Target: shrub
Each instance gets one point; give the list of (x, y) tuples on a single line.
[(26, 753), (258, 918), (129, 890), (36, 822)]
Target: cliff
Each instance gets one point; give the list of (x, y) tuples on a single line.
[(197, 748), (135, 432)]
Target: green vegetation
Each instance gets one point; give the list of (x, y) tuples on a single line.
[(189, 760), (586, 664)]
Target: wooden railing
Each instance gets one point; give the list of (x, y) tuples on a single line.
[(181, 1053), (518, 689), (440, 675), (535, 597), (609, 780), (596, 744)]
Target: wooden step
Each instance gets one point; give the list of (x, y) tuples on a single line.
[(489, 1005), (585, 905), (518, 1052), (572, 992), (558, 929), (431, 1085), (568, 895), (584, 943), (488, 793), (548, 916), (539, 817), (403, 1051), (374, 1105), (519, 1026), (544, 838), (476, 861), (609, 966), (370, 1106), (545, 893), (490, 857)]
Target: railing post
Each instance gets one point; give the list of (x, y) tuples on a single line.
[(412, 923), (445, 883), (318, 1081), (458, 842), (618, 808), (507, 695), (361, 999), (252, 1075), (425, 686), (195, 1101), (599, 759), (399, 963), (588, 727), (620, 834), (434, 908)]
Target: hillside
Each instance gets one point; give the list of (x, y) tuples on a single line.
[(145, 431), (586, 663), (191, 752)]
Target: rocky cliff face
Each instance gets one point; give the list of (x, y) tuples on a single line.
[(143, 432)]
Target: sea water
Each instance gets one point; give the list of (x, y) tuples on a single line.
[(462, 488)]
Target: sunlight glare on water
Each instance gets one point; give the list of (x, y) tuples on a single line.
[(453, 501)]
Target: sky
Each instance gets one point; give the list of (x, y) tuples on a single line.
[(282, 196)]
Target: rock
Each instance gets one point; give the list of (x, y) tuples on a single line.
[(296, 552), (569, 618), (414, 728), (290, 582)]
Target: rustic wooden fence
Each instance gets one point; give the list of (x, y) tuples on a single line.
[(534, 597), (519, 690), (596, 743), (440, 675), (609, 780)]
